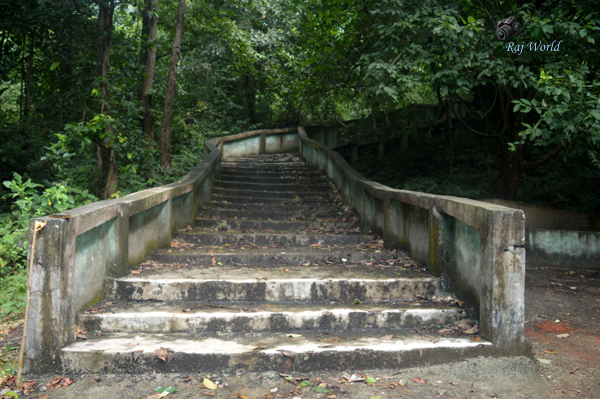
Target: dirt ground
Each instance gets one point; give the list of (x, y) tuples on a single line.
[(558, 302)]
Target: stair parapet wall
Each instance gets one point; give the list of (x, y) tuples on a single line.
[(75, 252), (475, 247)]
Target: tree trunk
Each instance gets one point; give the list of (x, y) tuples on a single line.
[(507, 183), (28, 89), (148, 58), (165, 126), (251, 97), (103, 43)]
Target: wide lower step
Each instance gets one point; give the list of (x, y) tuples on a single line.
[(257, 317), (275, 201), (305, 194), (262, 186), (275, 215), (153, 282), (261, 239), (266, 256), (312, 351), (278, 225)]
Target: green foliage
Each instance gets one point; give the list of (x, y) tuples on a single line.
[(28, 203), (13, 294)]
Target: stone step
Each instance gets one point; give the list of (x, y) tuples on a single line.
[(274, 179), (291, 194), (263, 317), (274, 215), (266, 256), (156, 282), (275, 201), (237, 185), (235, 174), (262, 164), (277, 225), (290, 240), (312, 351), (266, 168), (236, 206)]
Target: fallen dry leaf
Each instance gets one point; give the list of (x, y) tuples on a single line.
[(95, 379), (418, 380), (137, 354), (209, 384), (28, 386), (162, 354), (289, 354)]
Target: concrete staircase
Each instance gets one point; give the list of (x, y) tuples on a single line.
[(275, 275)]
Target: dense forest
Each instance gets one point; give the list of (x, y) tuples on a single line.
[(100, 98)]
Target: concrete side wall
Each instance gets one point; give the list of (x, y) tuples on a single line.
[(74, 255), (563, 248), (475, 247), (558, 238), (543, 217)]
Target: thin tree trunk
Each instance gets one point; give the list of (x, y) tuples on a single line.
[(144, 45), (165, 127), (148, 78), (28, 89), (250, 83), (103, 43)]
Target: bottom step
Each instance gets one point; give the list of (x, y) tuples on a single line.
[(309, 351)]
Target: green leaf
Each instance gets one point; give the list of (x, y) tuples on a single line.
[(304, 383), (376, 397), (169, 389), (371, 380), (54, 66), (591, 40), (321, 389), (471, 19)]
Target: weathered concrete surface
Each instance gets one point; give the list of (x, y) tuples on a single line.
[(282, 317), (558, 238), (289, 289), (444, 232), (235, 351), (543, 217), (292, 240), (565, 249)]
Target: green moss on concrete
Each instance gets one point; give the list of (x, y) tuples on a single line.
[(97, 298)]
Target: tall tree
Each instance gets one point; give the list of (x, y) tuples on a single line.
[(165, 127), (148, 59), (106, 155)]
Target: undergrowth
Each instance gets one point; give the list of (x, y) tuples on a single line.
[(571, 184)]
